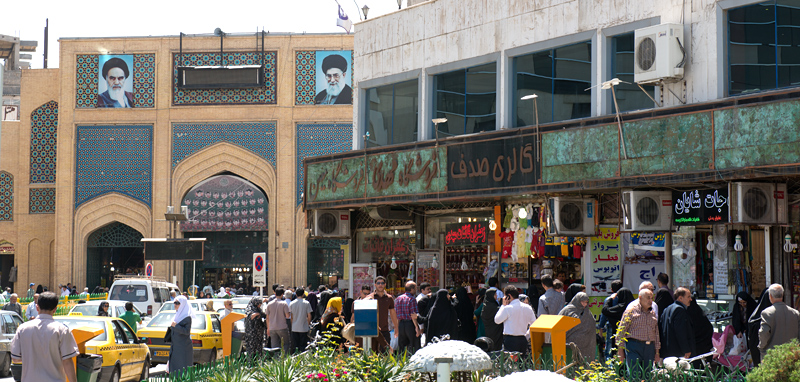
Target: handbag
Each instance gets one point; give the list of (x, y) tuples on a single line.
[(313, 329), (168, 335)]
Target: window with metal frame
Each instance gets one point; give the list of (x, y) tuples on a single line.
[(392, 113), (559, 77), (629, 96), (468, 99), (763, 46)]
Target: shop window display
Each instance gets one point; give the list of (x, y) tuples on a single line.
[(392, 252)]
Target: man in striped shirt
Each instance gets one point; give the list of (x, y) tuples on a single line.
[(637, 336)]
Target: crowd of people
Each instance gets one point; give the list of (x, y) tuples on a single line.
[(641, 331)]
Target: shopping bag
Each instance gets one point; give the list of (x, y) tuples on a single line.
[(393, 343), (739, 345)]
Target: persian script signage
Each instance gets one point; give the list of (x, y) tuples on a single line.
[(388, 174), (700, 207), (467, 234), (509, 162)]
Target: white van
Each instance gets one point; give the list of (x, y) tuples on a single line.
[(146, 294)]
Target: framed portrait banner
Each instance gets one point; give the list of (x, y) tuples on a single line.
[(333, 77), (115, 81)]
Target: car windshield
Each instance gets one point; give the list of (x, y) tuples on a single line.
[(164, 319), (171, 306), (133, 293), (95, 324), (87, 310)]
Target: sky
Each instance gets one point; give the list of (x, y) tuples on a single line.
[(93, 18)]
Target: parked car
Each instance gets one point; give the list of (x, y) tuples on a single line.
[(115, 309), (8, 328), (206, 336), (125, 356), (169, 305), (146, 294)]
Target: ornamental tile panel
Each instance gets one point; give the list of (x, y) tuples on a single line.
[(42, 201), (265, 95), (305, 83), (86, 76), (6, 196), (144, 80), (44, 129), (189, 138), (114, 159), (316, 139)]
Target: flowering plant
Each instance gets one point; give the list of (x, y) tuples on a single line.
[(335, 375)]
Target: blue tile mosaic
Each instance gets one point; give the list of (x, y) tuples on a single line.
[(305, 71), (315, 139), (44, 131), (189, 138), (114, 159), (6, 196), (42, 201)]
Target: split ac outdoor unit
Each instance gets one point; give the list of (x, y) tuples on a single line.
[(659, 53), (332, 223), (571, 217), (647, 211), (758, 203)]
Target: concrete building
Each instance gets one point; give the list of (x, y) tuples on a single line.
[(457, 95), (15, 54), (128, 126)]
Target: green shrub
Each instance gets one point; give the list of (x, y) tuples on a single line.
[(782, 363)]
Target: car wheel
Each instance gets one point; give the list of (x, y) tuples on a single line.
[(145, 370), (5, 365), (114, 375)]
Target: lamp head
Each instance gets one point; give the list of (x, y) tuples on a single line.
[(218, 32), (529, 96), (365, 10), (439, 120)]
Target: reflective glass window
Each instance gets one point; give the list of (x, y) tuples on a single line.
[(629, 96), (468, 99), (392, 113), (764, 46), (559, 77)]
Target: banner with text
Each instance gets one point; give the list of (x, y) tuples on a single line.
[(606, 261), (644, 258)]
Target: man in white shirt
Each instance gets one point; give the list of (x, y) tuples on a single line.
[(32, 311), (64, 291), (516, 318)]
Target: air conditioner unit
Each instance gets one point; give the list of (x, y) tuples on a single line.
[(332, 223), (758, 203), (571, 217), (647, 211), (659, 53)]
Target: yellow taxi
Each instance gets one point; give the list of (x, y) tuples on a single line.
[(206, 336), (125, 357)]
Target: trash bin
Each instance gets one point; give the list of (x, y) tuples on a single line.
[(89, 367)]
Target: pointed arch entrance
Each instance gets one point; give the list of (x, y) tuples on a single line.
[(111, 250), (232, 214)]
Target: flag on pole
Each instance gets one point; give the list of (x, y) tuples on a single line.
[(343, 21)]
